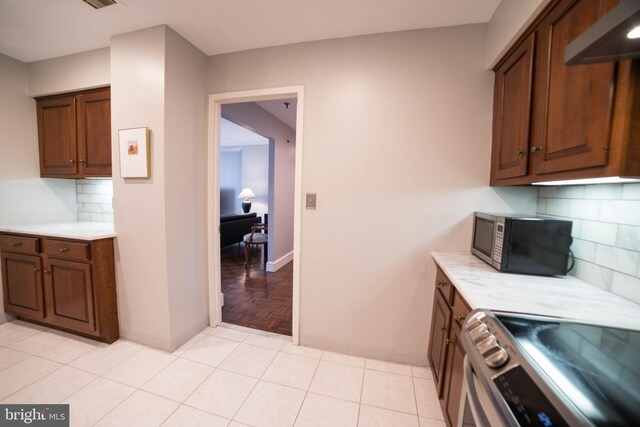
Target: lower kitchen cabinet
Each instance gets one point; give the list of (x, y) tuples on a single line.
[(22, 285), (445, 353), (64, 284)]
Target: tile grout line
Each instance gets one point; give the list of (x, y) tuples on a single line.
[(306, 392)]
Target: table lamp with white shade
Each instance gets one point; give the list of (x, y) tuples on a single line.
[(246, 194)]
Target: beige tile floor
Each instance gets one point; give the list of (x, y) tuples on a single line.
[(224, 376)]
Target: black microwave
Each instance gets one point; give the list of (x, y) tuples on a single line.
[(525, 244)]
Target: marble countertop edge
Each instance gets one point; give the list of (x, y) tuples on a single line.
[(555, 296), (81, 230)]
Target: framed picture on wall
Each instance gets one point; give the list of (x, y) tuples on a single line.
[(134, 152)]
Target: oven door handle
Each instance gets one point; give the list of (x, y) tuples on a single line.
[(479, 416)]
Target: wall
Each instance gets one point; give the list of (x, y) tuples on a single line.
[(281, 173), (137, 99), (71, 72), (24, 196), (255, 175), (508, 23), (95, 199), (397, 135), (185, 187), (606, 231), (231, 179), (158, 80)]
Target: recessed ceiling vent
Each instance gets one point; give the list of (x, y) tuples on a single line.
[(99, 4)]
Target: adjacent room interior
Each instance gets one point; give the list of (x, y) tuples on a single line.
[(256, 167)]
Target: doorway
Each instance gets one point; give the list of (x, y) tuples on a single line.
[(267, 261)]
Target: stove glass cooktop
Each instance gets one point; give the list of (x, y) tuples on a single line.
[(597, 368)]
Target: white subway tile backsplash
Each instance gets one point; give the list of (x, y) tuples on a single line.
[(541, 207), (621, 211), (617, 259), (599, 232), (629, 237), (584, 209), (626, 286), (558, 207), (603, 192), (95, 199), (631, 191), (606, 231), (594, 274), (584, 250)]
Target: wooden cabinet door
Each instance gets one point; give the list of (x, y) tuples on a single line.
[(94, 133), (512, 112), (69, 295), (454, 376), (574, 103), (22, 285), (57, 137), (440, 321)]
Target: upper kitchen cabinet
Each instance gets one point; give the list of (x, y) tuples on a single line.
[(74, 134), (558, 122), (512, 112)]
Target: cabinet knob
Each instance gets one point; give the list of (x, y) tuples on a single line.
[(443, 328), (520, 152), (461, 318), (72, 161), (35, 270), (46, 271), (83, 161), (63, 250), (452, 341), (441, 284), (536, 148), (16, 244)]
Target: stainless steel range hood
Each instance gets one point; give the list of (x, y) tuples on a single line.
[(606, 40)]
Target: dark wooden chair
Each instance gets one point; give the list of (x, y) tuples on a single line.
[(258, 236)]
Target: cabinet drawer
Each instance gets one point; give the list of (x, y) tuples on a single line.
[(460, 309), (65, 249), (22, 244), (444, 286)]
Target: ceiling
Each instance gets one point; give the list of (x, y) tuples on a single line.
[(233, 135), (31, 30), (277, 108)]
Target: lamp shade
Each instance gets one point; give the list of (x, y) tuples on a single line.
[(246, 193)]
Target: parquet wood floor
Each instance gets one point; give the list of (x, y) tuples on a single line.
[(253, 297)]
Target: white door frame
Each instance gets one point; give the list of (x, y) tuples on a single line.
[(216, 101)]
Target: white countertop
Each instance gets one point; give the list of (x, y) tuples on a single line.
[(562, 296), (82, 230)]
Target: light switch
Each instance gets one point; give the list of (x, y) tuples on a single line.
[(311, 201)]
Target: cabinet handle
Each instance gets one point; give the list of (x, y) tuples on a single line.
[(63, 250), (35, 270), (72, 161), (536, 148), (16, 244)]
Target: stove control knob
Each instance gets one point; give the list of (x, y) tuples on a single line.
[(478, 334), (479, 315), (496, 358), (474, 324), (487, 345)]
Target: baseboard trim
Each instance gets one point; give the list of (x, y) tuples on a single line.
[(280, 262)]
